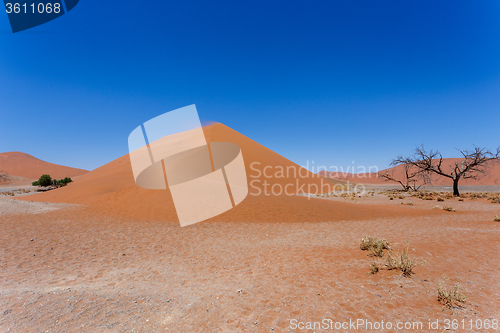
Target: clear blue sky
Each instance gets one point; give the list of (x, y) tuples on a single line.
[(329, 81)]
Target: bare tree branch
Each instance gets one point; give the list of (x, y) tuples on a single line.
[(412, 179), (473, 163)]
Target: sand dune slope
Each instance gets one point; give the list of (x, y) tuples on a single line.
[(27, 166), (112, 190)]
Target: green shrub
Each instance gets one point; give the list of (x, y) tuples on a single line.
[(62, 182), (44, 180)]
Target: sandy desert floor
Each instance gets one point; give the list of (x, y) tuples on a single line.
[(70, 268)]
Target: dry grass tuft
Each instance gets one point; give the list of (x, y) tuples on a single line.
[(449, 209), (497, 218), (374, 245), (374, 268), (450, 297), (402, 262)]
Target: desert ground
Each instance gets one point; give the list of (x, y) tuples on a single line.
[(103, 255), (71, 268)]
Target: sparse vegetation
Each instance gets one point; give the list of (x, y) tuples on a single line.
[(374, 245), (440, 199), (374, 268), (450, 297), (402, 262), (46, 180), (14, 192), (62, 182), (497, 218), (407, 203), (449, 209)]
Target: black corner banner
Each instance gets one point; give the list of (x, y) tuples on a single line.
[(29, 14)]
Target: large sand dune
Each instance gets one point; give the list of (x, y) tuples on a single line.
[(122, 263), (490, 177), (27, 166), (112, 190)]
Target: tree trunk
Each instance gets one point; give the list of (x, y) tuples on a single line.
[(455, 188)]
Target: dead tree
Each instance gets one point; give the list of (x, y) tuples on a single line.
[(413, 177), (472, 164)]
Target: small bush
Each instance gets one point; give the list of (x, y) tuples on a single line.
[(402, 262), (450, 297), (407, 203), (460, 199), (497, 218), (440, 199), (64, 181), (449, 209), (374, 245), (374, 268), (44, 180)]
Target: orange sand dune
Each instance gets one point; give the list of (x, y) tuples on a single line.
[(24, 165), (490, 177), (112, 190)]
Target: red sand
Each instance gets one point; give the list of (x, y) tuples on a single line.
[(491, 177), (123, 263), (24, 165), (112, 190), (77, 270)]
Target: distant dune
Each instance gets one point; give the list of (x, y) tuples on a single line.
[(23, 165), (490, 177), (112, 190)]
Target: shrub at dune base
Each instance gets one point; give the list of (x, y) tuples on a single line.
[(46, 180)]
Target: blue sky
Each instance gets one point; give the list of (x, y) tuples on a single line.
[(326, 81)]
